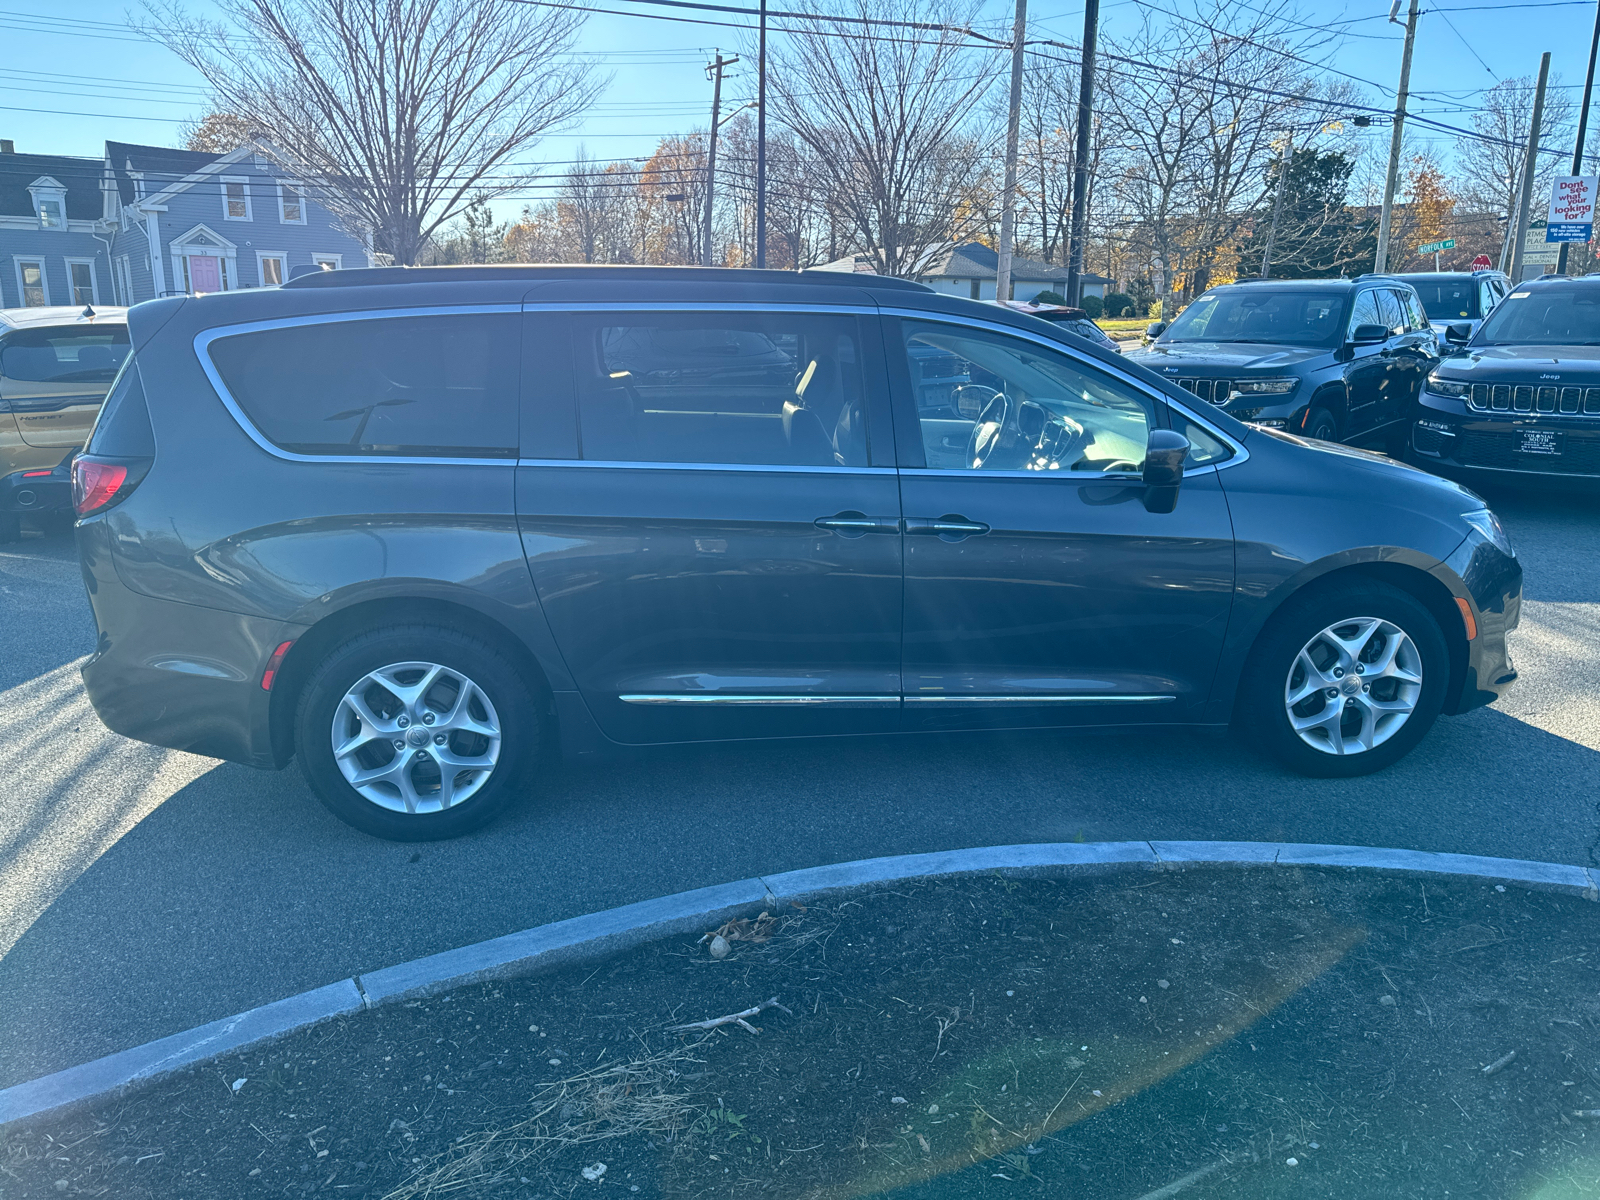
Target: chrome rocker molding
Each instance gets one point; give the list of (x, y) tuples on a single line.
[(877, 701)]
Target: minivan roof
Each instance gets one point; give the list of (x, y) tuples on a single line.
[(376, 276)]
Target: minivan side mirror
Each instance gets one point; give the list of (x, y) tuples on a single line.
[(1155, 329), (1458, 334), (1163, 469), (1366, 335)]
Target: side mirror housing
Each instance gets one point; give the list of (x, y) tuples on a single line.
[(1367, 335), (1163, 469), (1458, 334), (1155, 329)]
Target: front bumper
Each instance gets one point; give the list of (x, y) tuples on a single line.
[(38, 489), (1449, 436), (172, 674), (1492, 581)]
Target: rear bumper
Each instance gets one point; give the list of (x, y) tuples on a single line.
[(176, 675), (38, 489)]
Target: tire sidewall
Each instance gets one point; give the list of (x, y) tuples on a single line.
[(1318, 418), (508, 692), (1266, 718)]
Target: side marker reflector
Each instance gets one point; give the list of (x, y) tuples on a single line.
[(273, 664), (1467, 619)]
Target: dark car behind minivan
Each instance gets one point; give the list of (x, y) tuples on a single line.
[(426, 529)]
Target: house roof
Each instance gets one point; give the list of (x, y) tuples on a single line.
[(80, 176), (167, 164), (974, 260)]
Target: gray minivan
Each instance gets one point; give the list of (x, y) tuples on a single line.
[(425, 529)]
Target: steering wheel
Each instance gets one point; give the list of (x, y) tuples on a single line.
[(993, 428)]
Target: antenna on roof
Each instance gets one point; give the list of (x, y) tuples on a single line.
[(88, 313)]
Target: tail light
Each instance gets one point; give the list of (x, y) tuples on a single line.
[(99, 482)]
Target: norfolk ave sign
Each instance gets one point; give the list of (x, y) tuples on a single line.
[(1435, 247), (1571, 209)]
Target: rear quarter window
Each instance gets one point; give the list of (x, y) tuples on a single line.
[(412, 387)]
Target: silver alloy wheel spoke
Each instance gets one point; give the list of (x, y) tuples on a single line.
[(1333, 677), (416, 737)]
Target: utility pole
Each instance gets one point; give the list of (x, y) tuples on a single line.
[(1277, 201), (1008, 199), (1080, 163), (761, 142), (1530, 165), (1380, 264), (714, 71), (1583, 125)]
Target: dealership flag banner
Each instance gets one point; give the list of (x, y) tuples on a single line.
[(1571, 209)]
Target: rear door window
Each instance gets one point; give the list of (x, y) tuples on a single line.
[(409, 387), (780, 389), (75, 354)]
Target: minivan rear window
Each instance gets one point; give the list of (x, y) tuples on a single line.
[(70, 354), (411, 387)]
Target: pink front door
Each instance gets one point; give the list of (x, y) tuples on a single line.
[(205, 273)]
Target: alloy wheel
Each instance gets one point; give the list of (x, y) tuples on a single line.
[(1352, 686), (416, 737)]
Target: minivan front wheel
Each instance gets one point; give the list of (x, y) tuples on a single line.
[(416, 733), (1346, 681)]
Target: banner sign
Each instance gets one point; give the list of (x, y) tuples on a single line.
[(1571, 209)]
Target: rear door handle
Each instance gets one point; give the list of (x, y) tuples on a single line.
[(855, 524), (951, 527)]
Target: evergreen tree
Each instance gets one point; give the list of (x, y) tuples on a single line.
[(1318, 235)]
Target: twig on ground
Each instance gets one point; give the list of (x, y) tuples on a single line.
[(1177, 1185), (1499, 1063), (737, 1018)]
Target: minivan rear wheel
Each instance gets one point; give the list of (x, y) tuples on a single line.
[(1346, 680), (416, 733)]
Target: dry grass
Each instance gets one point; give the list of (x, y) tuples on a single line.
[(642, 1096)]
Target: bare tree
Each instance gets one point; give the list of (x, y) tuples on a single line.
[(397, 113), (1489, 167), (887, 117)]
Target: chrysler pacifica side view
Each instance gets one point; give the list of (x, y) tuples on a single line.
[(427, 529)]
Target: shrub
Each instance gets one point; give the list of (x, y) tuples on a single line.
[(1049, 298), (1119, 304), (1095, 307)]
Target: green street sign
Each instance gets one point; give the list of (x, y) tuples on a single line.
[(1435, 247)]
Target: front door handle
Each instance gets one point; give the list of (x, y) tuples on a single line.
[(855, 524), (950, 527)]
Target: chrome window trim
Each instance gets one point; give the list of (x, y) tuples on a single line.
[(669, 698), (1240, 454), (758, 468), (202, 353), (730, 306), (1078, 477)]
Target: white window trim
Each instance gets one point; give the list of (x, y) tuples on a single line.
[(244, 181), (44, 277), (122, 280), (94, 278), (301, 192), (261, 274), (336, 259)]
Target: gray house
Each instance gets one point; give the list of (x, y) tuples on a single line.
[(148, 221), (969, 270)]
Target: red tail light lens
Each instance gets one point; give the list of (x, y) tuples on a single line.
[(95, 483)]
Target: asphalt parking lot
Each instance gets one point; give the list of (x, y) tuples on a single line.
[(143, 892)]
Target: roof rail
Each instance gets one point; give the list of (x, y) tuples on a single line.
[(376, 276)]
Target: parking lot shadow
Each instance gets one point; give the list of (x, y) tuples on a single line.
[(240, 889)]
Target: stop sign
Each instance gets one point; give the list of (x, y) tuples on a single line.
[(1481, 263)]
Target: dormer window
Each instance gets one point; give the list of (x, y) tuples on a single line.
[(49, 202)]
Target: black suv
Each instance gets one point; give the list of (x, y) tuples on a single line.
[(427, 528), (1331, 359), (1524, 394), (1459, 297)]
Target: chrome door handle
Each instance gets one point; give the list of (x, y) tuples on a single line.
[(855, 524), (949, 526)]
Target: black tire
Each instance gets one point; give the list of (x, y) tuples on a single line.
[(511, 701), (1319, 424), (1263, 713)]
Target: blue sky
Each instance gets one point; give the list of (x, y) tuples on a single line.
[(77, 76)]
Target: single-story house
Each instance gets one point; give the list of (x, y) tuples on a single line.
[(969, 270), (149, 221)]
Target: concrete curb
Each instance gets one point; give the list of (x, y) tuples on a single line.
[(601, 934)]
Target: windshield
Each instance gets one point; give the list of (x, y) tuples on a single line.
[(1286, 318), (1544, 316), (1448, 299), (71, 355)]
